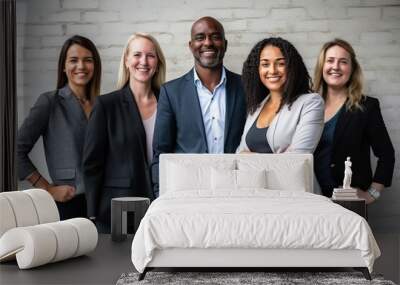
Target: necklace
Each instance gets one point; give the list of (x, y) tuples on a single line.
[(82, 99)]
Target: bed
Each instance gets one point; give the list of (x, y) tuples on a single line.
[(246, 211)]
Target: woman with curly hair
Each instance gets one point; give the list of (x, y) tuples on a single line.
[(353, 125), (283, 113)]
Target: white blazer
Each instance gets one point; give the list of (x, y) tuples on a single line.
[(297, 130)]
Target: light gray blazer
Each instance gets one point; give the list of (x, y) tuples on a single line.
[(297, 130), (61, 121)]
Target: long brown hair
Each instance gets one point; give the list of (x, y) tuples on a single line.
[(354, 85), (94, 83)]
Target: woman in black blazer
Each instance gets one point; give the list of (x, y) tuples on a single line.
[(118, 144), (60, 117), (353, 125)]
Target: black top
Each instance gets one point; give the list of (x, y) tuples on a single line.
[(356, 133), (256, 139), (323, 154)]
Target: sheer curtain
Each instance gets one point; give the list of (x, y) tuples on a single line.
[(8, 96)]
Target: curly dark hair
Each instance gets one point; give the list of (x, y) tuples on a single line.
[(298, 80)]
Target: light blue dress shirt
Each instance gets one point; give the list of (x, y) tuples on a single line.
[(213, 108)]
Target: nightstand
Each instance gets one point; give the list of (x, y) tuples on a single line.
[(120, 207), (357, 206)]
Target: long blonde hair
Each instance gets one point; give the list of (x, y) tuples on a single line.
[(355, 83), (159, 76)]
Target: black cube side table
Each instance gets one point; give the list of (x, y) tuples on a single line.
[(119, 208), (357, 206)]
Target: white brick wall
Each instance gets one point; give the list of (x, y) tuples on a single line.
[(35, 30), (372, 26), (79, 4), (100, 16), (66, 16), (87, 29)]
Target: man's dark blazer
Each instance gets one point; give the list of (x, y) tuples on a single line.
[(114, 161), (179, 124), (355, 134)]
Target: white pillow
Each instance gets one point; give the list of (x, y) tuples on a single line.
[(183, 177), (291, 178), (251, 178), (223, 179), (281, 174), (185, 174), (236, 179)]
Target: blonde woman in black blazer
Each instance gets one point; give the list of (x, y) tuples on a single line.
[(60, 117), (120, 131), (353, 126)]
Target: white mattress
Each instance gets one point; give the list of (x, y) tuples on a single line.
[(252, 218)]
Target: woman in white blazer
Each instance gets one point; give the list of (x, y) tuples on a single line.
[(283, 115)]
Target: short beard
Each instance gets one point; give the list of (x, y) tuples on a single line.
[(210, 64)]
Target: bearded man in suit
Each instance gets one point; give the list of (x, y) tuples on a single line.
[(203, 111)]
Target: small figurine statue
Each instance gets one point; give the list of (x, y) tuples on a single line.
[(347, 174)]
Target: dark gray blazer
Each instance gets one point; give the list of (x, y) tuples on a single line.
[(179, 124), (60, 120), (115, 160)]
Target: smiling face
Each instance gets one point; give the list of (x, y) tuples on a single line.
[(141, 60), (208, 44), (79, 66), (272, 69), (337, 67)]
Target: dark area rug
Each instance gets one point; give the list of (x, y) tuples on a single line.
[(243, 278)]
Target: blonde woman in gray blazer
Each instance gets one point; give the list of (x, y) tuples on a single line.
[(283, 114)]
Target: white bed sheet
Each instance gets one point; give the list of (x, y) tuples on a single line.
[(252, 218)]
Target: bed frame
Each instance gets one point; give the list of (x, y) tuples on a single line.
[(246, 259)]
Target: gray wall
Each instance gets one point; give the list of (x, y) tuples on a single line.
[(372, 26)]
